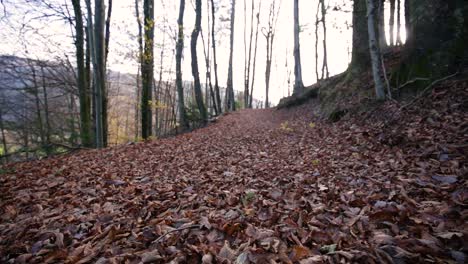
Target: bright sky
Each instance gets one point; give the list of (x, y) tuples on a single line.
[(50, 38)]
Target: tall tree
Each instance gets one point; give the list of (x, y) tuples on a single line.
[(438, 37), (195, 73), (83, 87), (381, 23), (392, 22), (230, 100), (147, 69), (398, 32), (105, 123), (269, 33), (96, 37), (215, 64), (179, 49), (248, 54), (360, 57), (255, 55), (298, 84), (375, 50), (325, 72)]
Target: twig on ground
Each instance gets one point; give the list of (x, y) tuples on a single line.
[(428, 88), (175, 230)]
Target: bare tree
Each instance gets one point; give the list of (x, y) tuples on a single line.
[(255, 55), (230, 100), (392, 22), (325, 72), (298, 85), (269, 34), (83, 88), (381, 23), (398, 34), (147, 69), (215, 64), (248, 54), (195, 73), (179, 49), (375, 51)]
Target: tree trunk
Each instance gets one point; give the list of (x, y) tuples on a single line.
[(375, 51), (398, 34), (255, 55), (147, 69), (298, 85), (438, 39), (392, 22), (179, 49), (195, 73), (83, 87), (360, 57), (4, 140), (230, 101), (108, 21), (248, 61), (325, 59), (96, 36), (46, 111), (215, 64), (381, 23), (317, 22), (409, 34)]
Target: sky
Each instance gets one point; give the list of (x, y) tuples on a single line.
[(30, 29)]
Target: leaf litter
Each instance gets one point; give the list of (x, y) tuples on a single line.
[(258, 186)]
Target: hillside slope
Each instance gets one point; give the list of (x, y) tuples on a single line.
[(389, 186)]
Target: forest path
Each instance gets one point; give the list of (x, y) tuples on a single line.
[(256, 185)]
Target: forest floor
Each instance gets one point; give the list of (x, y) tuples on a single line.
[(257, 186)]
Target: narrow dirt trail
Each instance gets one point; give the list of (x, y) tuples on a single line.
[(257, 186)]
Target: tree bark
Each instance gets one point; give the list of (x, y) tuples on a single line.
[(83, 87), (392, 22), (375, 51), (248, 61), (230, 101), (398, 34), (255, 55), (381, 23), (195, 73), (215, 64), (147, 69), (360, 60), (179, 49), (4, 140), (325, 72), (298, 85)]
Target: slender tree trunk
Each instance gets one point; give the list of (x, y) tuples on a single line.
[(179, 49), (137, 106), (230, 100), (255, 55), (381, 23), (409, 33), (392, 22), (195, 73), (325, 72), (37, 101), (398, 36), (46, 111), (215, 64), (4, 140), (209, 92), (82, 83), (375, 51), (317, 22), (96, 35), (107, 34), (147, 68), (298, 85), (248, 61)]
